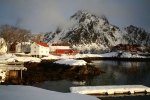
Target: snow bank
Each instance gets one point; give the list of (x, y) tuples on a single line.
[(51, 57), (11, 92), (80, 56), (71, 62), (111, 54), (12, 58)]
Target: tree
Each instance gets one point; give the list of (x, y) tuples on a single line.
[(38, 37), (65, 43), (12, 34)]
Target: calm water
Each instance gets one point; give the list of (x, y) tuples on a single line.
[(117, 73)]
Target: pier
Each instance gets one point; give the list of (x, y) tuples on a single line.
[(12, 68), (6, 66), (111, 89)]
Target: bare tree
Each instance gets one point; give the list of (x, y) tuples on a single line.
[(38, 37), (12, 34)]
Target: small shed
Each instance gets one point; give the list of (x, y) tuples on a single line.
[(23, 47)]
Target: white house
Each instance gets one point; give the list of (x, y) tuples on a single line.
[(39, 49), (23, 47), (3, 46)]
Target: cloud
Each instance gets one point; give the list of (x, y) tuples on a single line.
[(47, 15)]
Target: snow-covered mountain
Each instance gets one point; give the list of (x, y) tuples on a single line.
[(135, 35), (95, 34)]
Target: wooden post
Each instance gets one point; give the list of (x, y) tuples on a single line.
[(15, 66), (21, 70), (7, 67)]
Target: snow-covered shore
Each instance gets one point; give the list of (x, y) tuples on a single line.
[(13, 92), (13, 57)]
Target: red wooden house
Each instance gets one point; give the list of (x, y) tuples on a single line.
[(65, 51), (58, 49)]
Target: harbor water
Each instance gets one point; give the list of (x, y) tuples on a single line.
[(116, 73)]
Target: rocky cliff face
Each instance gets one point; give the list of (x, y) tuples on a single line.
[(135, 35), (95, 34)]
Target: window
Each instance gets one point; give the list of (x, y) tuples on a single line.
[(34, 51)]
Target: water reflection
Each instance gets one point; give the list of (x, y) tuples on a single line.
[(122, 73), (116, 73)]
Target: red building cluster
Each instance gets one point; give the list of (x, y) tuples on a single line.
[(60, 50), (125, 47)]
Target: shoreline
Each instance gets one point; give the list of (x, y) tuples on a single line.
[(89, 59), (49, 71)]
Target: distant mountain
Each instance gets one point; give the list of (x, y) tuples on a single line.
[(135, 35), (95, 34)]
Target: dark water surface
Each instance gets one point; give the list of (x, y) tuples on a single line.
[(117, 73)]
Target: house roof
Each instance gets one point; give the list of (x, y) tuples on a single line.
[(42, 44)]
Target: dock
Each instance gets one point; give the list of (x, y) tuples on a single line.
[(12, 68), (6, 66), (110, 90)]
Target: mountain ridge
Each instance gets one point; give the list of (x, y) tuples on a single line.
[(95, 34)]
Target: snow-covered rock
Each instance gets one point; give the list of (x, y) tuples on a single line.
[(71, 62)]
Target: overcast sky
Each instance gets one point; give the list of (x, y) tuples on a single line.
[(46, 15)]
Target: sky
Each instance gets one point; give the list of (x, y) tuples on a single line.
[(47, 15)]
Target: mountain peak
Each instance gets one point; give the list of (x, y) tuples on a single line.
[(94, 34), (84, 16)]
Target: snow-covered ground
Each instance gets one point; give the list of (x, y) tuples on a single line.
[(12, 57), (13, 92)]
